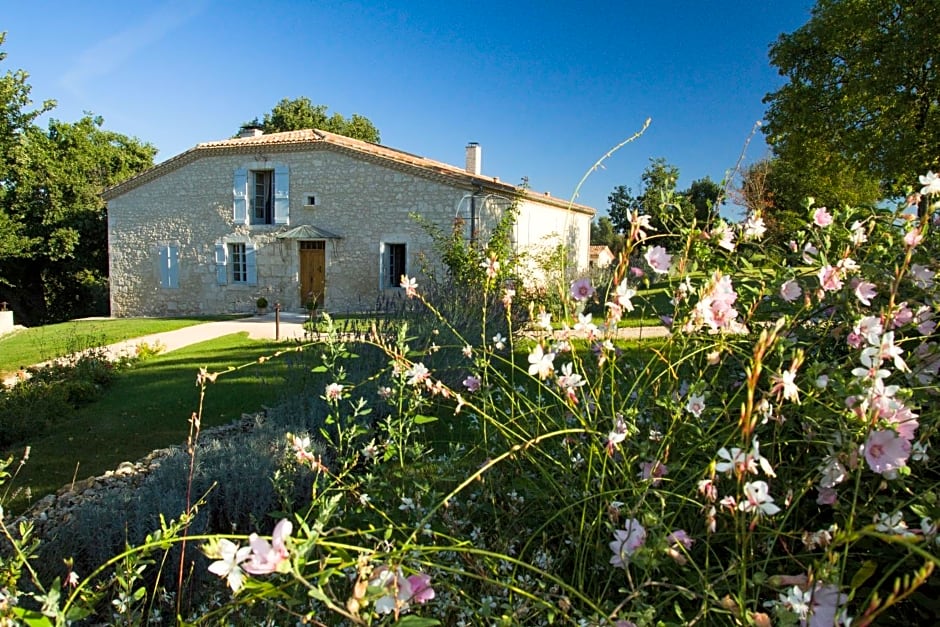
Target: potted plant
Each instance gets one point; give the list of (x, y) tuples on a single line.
[(262, 304)]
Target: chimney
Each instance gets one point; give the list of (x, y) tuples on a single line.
[(474, 158), (249, 131)]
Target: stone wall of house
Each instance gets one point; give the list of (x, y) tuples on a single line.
[(365, 203)]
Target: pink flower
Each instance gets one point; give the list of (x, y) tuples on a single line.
[(653, 470), (658, 259), (829, 278), (679, 536), (472, 383), (864, 292), (626, 542), (400, 592), (913, 237), (410, 286), (885, 452), (827, 496), (582, 289), (421, 590), (822, 218), (491, 266), (334, 391), (790, 291), (268, 558)]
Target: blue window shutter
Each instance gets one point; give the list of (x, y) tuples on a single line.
[(240, 196), (221, 274), (281, 195), (170, 266), (251, 264), (173, 266), (383, 270), (164, 266)]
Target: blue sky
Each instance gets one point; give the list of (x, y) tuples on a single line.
[(546, 88)]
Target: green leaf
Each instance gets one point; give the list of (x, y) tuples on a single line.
[(31, 617), (421, 419), (318, 369), (867, 569)]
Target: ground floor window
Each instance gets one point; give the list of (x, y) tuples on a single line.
[(239, 259), (396, 262)]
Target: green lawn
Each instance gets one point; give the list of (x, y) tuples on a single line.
[(149, 406), (39, 344)]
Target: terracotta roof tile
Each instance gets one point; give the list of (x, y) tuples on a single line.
[(315, 137)]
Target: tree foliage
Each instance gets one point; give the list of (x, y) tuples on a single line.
[(777, 190), (300, 113), (53, 222), (861, 104), (668, 209), (603, 233)]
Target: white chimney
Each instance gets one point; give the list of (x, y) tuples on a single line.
[(249, 131), (474, 158)]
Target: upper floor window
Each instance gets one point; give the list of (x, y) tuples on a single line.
[(261, 194)]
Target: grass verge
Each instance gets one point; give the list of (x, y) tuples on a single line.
[(38, 344), (149, 407)]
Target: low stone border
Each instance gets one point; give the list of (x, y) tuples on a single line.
[(55, 509)]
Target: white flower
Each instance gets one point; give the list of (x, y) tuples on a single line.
[(930, 182), (892, 523), (696, 404), (754, 227), (417, 373), (541, 363), (499, 342), (923, 276), (229, 565), (544, 321), (758, 499)]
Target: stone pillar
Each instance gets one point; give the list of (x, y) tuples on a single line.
[(6, 321)]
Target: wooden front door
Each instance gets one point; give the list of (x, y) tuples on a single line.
[(312, 272)]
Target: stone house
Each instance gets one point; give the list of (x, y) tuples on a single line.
[(600, 256), (305, 216)]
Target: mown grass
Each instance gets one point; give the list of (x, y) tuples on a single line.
[(39, 344), (149, 407)]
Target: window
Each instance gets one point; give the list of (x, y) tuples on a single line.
[(169, 260), (262, 197), (239, 263), (260, 194), (396, 256), (236, 262)]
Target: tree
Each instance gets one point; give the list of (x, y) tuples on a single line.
[(15, 119), (54, 200), (300, 113), (778, 191), (669, 210), (53, 222), (603, 233), (861, 106)]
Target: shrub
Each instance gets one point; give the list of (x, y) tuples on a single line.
[(766, 463)]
